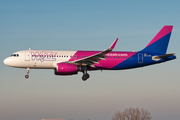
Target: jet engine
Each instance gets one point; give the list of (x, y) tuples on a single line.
[(66, 69)]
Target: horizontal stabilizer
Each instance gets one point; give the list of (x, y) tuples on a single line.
[(165, 56), (157, 58)]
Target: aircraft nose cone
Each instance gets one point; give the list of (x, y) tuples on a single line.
[(7, 61)]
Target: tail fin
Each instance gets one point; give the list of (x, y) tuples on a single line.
[(160, 42)]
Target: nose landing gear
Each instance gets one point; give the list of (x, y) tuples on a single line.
[(27, 73)]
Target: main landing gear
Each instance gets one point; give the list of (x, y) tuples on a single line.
[(85, 74), (27, 73)]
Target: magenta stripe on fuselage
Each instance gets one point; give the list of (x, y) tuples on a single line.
[(82, 54), (112, 59), (164, 31)]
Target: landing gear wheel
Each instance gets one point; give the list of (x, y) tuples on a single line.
[(85, 77), (26, 76)]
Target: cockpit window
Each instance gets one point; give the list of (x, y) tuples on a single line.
[(15, 55)]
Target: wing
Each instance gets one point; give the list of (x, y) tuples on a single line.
[(90, 60)]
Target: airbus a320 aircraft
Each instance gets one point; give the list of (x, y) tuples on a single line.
[(72, 62)]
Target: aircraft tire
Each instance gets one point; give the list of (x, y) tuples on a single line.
[(85, 77), (26, 76)]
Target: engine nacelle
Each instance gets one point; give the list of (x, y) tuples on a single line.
[(66, 69)]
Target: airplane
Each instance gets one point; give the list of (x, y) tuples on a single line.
[(72, 62)]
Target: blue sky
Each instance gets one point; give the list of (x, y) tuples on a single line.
[(87, 25)]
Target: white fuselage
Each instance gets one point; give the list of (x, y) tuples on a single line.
[(38, 59)]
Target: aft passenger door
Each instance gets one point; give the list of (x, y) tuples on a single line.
[(140, 57)]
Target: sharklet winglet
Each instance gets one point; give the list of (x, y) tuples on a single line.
[(113, 45)]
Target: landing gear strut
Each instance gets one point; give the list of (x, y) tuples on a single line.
[(27, 73), (85, 74)]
